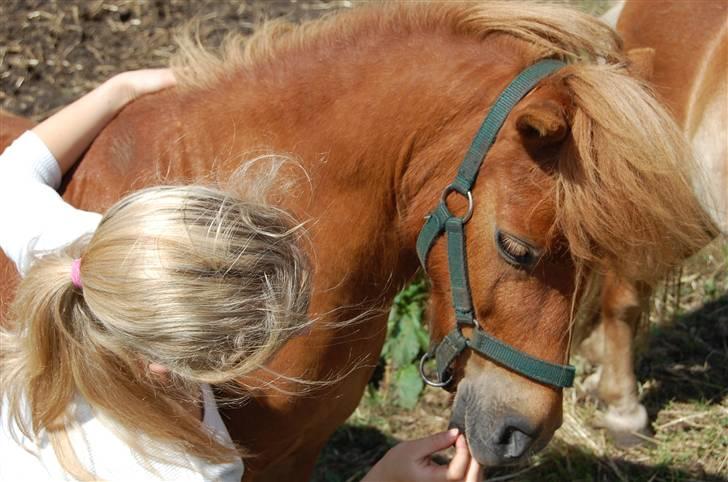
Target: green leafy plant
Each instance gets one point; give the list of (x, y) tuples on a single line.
[(407, 339)]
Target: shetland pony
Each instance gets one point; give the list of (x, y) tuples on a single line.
[(683, 47), (378, 106)]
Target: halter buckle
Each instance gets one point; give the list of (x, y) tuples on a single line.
[(427, 381), (469, 195)]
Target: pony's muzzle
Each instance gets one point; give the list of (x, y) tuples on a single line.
[(503, 444), (502, 429)]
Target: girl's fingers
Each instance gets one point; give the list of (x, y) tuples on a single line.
[(140, 82), (475, 471), (151, 80), (434, 443), (459, 464), (163, 78)]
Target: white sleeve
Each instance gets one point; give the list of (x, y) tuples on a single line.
[(33, 216)]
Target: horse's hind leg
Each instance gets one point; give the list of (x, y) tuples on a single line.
[(611, 346)]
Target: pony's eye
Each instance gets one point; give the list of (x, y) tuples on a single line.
[(515, 251)]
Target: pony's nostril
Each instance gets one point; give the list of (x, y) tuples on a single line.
[(515, 443), (456, 424)]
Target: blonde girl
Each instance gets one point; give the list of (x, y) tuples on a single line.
[(123, 322)]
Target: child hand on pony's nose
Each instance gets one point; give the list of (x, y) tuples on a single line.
[(411, 461)]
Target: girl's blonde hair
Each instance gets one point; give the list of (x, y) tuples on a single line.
[(191, 278)]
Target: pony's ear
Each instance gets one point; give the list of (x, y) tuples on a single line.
[(641, 62), (542, 123)]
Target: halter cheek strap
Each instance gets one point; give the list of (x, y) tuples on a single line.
[(442, 221)]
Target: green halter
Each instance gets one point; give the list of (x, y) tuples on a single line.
[(442, 220)]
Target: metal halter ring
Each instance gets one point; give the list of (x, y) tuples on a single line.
[(427, 381), (446, 192)]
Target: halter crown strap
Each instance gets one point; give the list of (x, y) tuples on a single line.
[(441, 220), (485, 137), (507, 100)]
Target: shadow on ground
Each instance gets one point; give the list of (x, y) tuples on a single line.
[(353, 450), (350, 453), (573, 464), (687, 358)]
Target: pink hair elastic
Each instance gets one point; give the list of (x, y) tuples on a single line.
[(76, 273)]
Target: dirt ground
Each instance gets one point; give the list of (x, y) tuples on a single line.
[(51, 51)]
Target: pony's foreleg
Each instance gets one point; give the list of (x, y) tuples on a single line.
[(297, 467), (612, 347)]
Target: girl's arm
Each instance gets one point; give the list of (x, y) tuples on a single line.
[(33, 217), (71, 130)]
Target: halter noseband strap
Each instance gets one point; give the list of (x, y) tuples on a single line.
[(441, 220)]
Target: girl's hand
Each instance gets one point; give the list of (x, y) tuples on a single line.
[(410, 461), (136, 83)]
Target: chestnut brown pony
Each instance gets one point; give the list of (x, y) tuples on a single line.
[(378, 105), (683, 47)]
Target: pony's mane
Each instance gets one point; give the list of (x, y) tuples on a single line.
[(550, 30), (623, 193), (624, 200)]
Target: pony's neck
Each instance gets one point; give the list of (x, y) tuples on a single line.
[(380, 126)]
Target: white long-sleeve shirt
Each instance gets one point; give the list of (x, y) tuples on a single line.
[(34, 219)]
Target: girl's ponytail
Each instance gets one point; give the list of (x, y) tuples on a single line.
[(39, 344)]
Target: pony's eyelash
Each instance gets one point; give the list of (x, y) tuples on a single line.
[(515, 251), (513, 247)]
